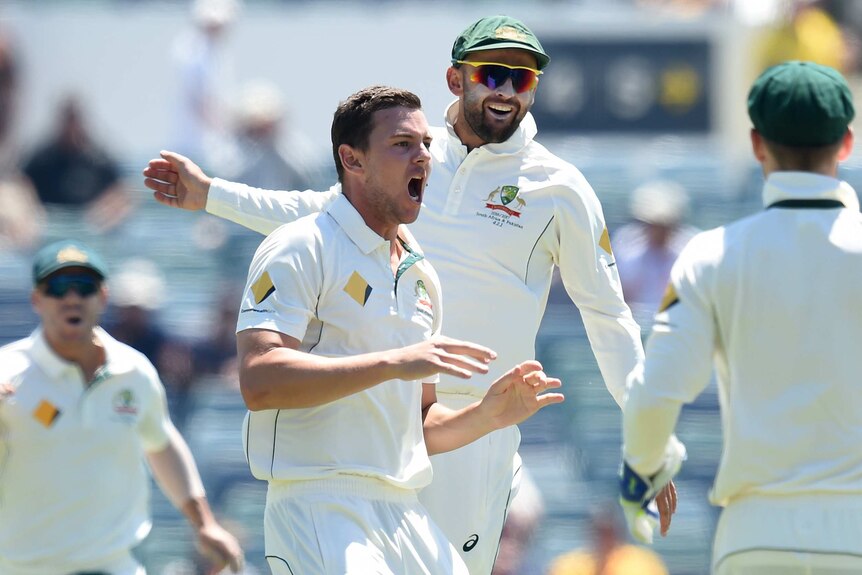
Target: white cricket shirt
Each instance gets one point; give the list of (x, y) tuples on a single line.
[(73, 483), (773, 301), (494, 222), (326, 280)]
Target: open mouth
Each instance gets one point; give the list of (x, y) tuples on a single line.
[(500, 111), (73, 318), (415, 188)]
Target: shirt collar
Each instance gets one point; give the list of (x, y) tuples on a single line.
[(781, 186), (409, 241), (54, 365), (523, 135), (343, 212)]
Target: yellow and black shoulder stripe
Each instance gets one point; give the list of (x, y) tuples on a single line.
[(669, 299), (262, 288), (46, 413)]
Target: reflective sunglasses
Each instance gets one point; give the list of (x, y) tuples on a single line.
[(82, 284), (494, 75)]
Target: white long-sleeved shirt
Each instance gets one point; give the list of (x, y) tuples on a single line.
[(494, 222), (772, 301)]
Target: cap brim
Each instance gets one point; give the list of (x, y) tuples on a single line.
[(541, 59), (54, 269)]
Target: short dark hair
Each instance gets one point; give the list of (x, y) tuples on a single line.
[(353, 120), (803, 158)]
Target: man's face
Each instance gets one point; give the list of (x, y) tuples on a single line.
[(69, 303), (397, 164), (494, 115)]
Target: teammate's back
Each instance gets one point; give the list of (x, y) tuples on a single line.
[(789, 280)]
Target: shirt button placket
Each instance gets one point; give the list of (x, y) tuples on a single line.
[(453, 203)]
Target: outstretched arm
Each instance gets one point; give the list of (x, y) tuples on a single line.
[(178, 182), (515, 396)]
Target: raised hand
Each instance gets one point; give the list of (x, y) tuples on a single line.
[(177, 181), (519, 393)]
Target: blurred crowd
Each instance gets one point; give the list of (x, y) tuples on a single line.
[(71, 171)]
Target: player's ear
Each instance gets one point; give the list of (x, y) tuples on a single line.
[(455, 81), (103, 296), (758, 146), (846, 145), (351, 158)]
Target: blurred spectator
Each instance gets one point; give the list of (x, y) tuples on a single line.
[(9, 81), (609, 554), (646, 248), (522, 521), (137, 293), (216, 354), (21, 215), (258, 158), (806, 32), (199, 127), (848, 16), (70, 169)]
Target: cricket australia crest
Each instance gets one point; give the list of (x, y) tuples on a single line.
[(125, 407), (505, 195), (423, 300)]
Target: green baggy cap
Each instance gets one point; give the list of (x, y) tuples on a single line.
[(498, 32), (66, 254), (801, 104)]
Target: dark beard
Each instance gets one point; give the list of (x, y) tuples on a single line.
[(476, 121)]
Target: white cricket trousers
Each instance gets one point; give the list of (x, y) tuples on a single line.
[(789, 563), (800, 534), (353, 525)]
